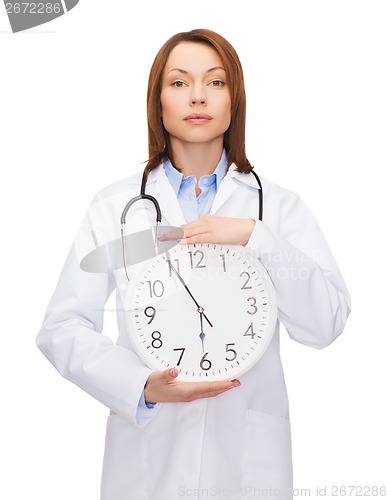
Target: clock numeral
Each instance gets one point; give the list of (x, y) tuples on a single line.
[(176, 267), (253, 305), (156, 288), (198, 254), (249, 332), (234, 353), (182, 353), (150, 313), (245, 285), (223, 262), (156, 342), (205, 364)]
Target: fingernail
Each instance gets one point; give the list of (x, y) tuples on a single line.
[(236, 383), (173, 372)]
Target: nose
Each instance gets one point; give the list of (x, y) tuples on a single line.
[(198, 95), (201, 100)]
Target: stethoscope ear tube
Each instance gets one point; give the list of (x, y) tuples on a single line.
[(260, 195), (142, 196)]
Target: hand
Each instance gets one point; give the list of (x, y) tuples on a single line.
[(220, 230), (161, 387)]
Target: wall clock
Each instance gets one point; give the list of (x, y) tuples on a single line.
[(209, 310)]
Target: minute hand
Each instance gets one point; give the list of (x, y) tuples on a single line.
[(188, 291)]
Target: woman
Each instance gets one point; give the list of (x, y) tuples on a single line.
[(168, 439)]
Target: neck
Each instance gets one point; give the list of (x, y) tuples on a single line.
[(197, 159)]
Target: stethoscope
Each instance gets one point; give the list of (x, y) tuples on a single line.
[(154, 201)]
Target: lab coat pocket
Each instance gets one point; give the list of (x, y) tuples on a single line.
[(124, 470), (267, 459)]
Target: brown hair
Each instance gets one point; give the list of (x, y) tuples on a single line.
[(159, 148)]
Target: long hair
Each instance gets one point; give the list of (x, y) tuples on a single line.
[(159, 147)]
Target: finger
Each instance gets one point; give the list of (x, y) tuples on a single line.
[(170, 375), (207, 395), (197, 238), (193, 227), (176, 234), (211, 392), (203, 389), (191, 224)]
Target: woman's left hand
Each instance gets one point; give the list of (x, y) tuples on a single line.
[(220, 230)]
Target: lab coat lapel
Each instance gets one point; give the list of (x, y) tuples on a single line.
[(159, 186), (228, 186), (224, 192)]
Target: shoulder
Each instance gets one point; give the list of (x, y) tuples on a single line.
[(286, 210), (283, 208), (124, 186), (272, 192), (279, 194), (106, 207)]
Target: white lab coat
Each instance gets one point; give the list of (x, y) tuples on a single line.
[(238, 444)]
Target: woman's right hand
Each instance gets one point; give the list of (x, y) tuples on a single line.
[(161, 387)]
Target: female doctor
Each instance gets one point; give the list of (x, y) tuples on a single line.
[(167, 439)]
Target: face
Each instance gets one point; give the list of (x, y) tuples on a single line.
[(195, 97)]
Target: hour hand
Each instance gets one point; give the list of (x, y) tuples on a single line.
[(202, 334)]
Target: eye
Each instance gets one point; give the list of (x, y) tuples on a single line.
[(178, 84), (217, 83)]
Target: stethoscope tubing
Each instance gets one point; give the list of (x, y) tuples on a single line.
[(154, 201), (144, 196)]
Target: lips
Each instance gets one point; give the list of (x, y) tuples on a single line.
[(200, 117)]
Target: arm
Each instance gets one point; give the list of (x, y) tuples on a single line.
[(72, 340), (313, 300)]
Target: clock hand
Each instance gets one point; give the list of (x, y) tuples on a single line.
[(188, 291), (202, 334)]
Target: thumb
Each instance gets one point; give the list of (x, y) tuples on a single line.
[(170, 374)]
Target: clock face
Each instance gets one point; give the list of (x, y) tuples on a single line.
[(208, 310)]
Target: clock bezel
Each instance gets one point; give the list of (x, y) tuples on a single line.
[(152, 362)]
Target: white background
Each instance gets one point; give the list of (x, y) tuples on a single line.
[(72, 119)]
